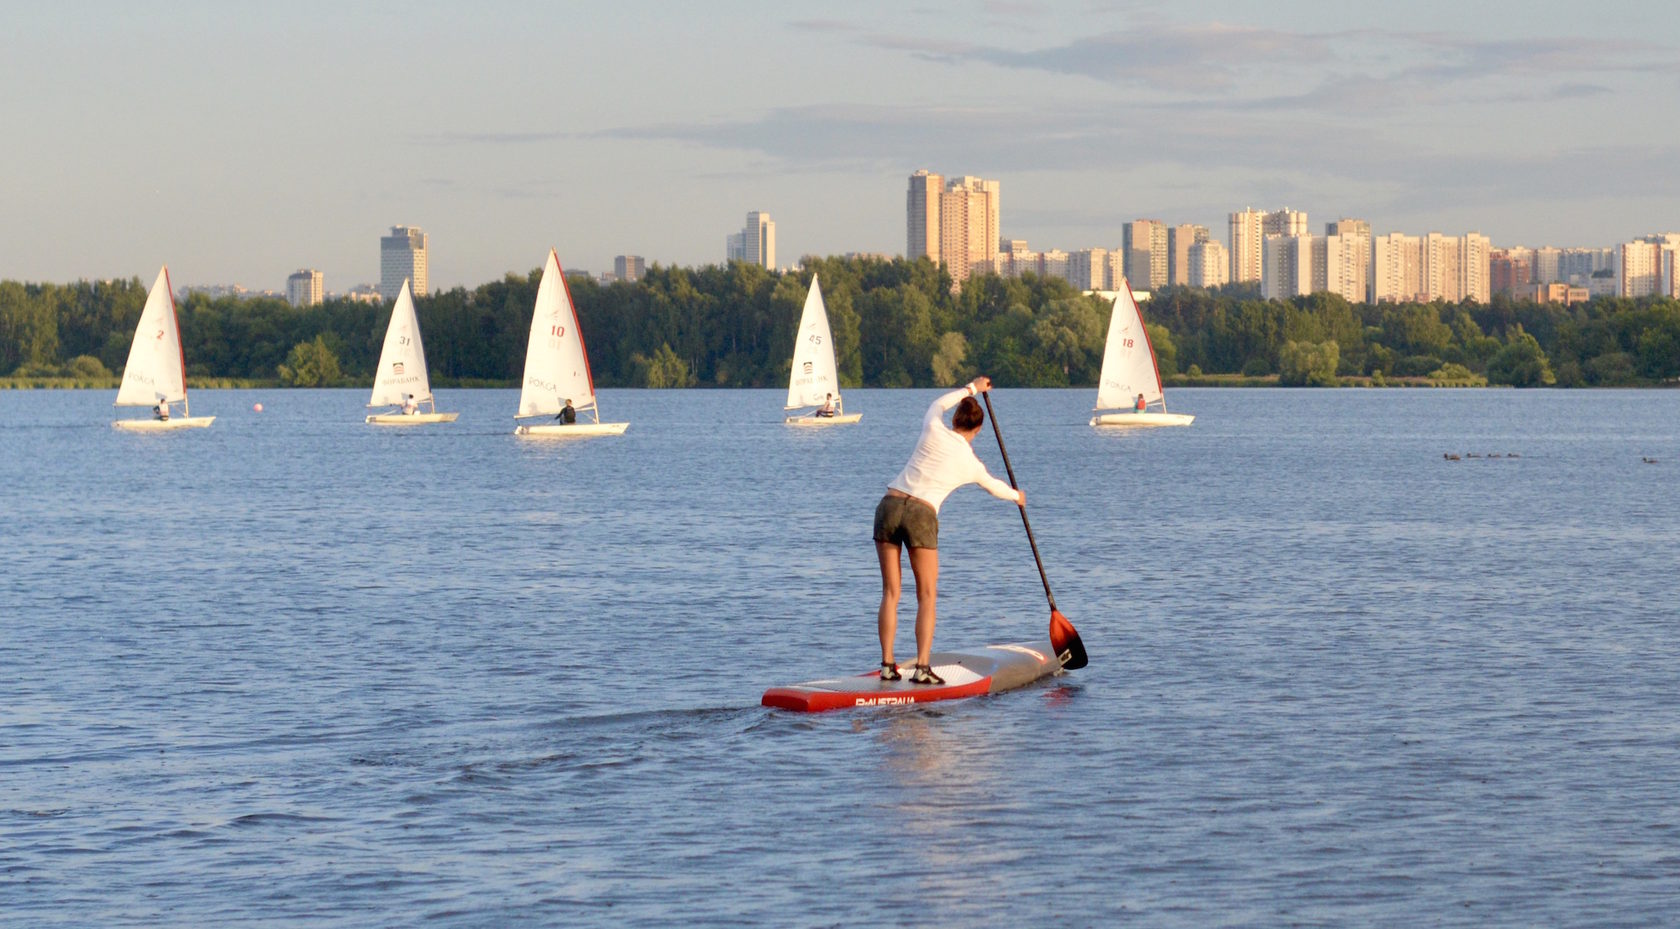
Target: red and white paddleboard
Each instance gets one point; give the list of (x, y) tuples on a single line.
[(988, 670)]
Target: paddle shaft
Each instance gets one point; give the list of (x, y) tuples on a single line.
[(986, 395)]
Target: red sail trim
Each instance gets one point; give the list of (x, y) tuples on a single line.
[(571, 305), (1154, 363)]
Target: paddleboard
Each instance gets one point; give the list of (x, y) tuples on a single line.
[(987, 670)]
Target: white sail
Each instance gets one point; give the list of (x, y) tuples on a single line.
[(813, 376), (402, 362), (556, 366), (156, 370), (1128, 367)]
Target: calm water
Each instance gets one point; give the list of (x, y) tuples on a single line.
[(296, 670)]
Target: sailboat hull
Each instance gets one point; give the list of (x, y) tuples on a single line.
[(164, 425), (1143, 419), (571, 430), (988, 670), (411, 419), (823, 420)]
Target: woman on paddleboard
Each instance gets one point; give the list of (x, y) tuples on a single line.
[(908, 516)]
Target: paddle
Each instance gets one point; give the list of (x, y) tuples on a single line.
[(1063, 637)]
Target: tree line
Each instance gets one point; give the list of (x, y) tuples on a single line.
[(896, 323)]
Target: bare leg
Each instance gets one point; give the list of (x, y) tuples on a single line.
[(886, 619), (924, 563)]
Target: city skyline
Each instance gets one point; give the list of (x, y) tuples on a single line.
[(170, 134)]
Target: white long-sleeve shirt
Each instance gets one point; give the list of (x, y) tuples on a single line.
[(944, 461)]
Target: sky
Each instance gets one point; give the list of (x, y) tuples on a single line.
[(239, 141)]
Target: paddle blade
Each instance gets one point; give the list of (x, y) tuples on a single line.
[(1065, 640)]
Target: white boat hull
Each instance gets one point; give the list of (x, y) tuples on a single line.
[(1142, 419), (411, 419), (574, 430), (162, 425), (823, 420)]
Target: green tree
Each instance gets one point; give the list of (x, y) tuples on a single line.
[(1308, 364), (310, 364), (1520, 363), (947, 362), (1166, 353), (1457, 375), (665, 369)]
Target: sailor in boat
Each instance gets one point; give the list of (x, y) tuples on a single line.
[(409, 407), (827, 409), (1139, 406), (567, 415), (908, 516), (161, 412)]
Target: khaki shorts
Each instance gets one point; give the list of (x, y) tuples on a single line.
[(906, 521)]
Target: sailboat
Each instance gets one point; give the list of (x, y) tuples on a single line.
[(156, 373), (557, 366), (1129, 370), (814, 380), (400, 380)]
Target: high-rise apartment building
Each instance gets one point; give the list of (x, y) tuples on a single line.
[(1547, 262), (1339, 265), (1579, 265), (1286, 269), (402, 257), (1456, 268), (1475, 279), (305, 287), (1657, 251), (1179, 240), (1016, 259), (1209, 265), (1117, 269), (1511, 273), (1638, 269), (968, 226), (1053, 263), (629, 267), (921, 208), (1284, 222), (1145, 243), (755, 244), (1442, 266), (959, 228), (1355, 258), (1088, 269), (1246, 239), (1396, 268)]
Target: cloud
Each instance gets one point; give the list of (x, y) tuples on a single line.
[(1210, 63), (1450, 58), (1021, 9), (492, 138), (1177, 58), (867, 137)]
